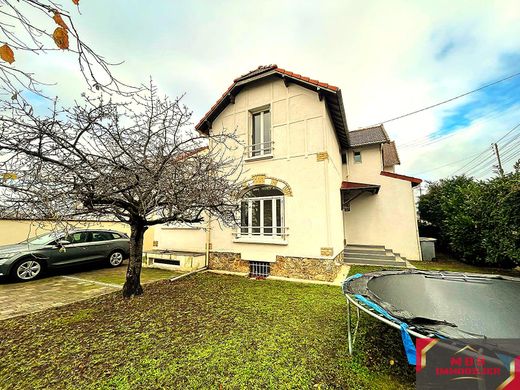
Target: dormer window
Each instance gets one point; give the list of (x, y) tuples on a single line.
[(260, 140), (357, 157)]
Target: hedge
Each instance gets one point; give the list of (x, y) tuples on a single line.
[(475, 220)]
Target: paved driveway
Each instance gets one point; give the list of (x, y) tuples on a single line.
[(66, 287)]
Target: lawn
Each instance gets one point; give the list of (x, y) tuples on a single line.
[(118, 275), (440, 265), (203, 331), (444, 263)]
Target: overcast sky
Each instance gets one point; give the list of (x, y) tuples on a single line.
[(388, 58)]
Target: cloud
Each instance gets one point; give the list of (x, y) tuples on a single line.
[(388, 58)]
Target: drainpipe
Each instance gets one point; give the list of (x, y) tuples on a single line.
[(208, 239)]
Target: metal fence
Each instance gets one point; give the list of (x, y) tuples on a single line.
[(259, 269)]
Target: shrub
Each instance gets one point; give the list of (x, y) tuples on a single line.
[(478, 221)]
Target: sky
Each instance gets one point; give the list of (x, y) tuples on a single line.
[(388, 58)]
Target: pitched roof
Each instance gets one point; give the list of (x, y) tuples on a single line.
[(390, 155), (351, 185), (414, 180), (330, 93), (368, 136)]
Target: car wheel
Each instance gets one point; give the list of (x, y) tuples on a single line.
[(27, 269), (116, 258)]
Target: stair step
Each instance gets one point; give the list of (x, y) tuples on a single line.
[(369, 256), (363, 246), (383, 263), (367, 251)]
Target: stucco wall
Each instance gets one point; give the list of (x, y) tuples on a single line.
[(387, 218), (301, 130), (14, 231), (186, 239)]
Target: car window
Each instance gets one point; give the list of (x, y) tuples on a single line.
[(77, 238), (116, 235), (41, 240), (101, 236)]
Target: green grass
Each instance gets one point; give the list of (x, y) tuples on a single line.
[(443, 264), (448, 264), (363, 269), (117, 275), (203, 331)]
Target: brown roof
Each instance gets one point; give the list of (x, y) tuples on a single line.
[(330, 93), (351, 185), (368, 136), (414, 180), (390, 155)]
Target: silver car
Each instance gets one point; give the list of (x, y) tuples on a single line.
[(29, 259)]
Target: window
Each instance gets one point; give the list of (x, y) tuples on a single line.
[(261, 134), (77, 238), (259, 269), (102, 236), (357, 157), (262, 213)]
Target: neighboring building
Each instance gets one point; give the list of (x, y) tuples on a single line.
[(312, 191)]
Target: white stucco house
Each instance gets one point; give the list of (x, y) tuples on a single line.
[(315, 195)]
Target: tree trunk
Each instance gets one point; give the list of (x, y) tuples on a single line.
[(132, 285)]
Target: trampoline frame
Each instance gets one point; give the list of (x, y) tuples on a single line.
[(359, 306), (411, 330)]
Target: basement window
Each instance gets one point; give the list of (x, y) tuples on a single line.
[(259, 269), (357, 157), (166, 261)]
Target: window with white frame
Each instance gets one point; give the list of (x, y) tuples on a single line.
[(262, 213), (357, 157), (260, 142)]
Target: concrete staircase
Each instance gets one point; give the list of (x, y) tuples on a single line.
[(372, 255)]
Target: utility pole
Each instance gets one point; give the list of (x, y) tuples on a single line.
[(499, 166)]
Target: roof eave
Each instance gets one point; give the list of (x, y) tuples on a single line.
[(204, 125)]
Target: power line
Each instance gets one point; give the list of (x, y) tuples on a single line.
[(485, 150), (447, 100), (446, 165)]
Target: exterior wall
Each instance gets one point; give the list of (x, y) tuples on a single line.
[(285, 266), (14, 231), (301, 131), (387, 218), (228, 261), (190, 239)]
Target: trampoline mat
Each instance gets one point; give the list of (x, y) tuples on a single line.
[(452, 304)]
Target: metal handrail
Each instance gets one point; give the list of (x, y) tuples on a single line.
[(261, 151), (276, 231)]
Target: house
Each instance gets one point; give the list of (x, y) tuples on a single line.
[(315, 195)]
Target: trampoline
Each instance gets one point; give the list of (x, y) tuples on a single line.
[(436, 304)]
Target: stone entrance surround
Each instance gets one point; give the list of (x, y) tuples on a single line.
[(325, 270)]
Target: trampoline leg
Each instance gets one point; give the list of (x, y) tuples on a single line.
[(349, 331)]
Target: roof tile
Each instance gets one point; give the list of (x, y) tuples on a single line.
[(368, 136), (390, 155)]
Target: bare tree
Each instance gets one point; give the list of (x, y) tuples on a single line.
[(138, 162), (39, 26)]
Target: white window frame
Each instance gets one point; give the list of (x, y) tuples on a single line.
[(354, 157), (257, 233), (266, 147)]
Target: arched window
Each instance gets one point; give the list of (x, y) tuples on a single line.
[(262, 213)]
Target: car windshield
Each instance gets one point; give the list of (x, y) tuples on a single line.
[(42, 239)]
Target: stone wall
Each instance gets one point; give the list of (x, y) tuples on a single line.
[(228, 261), (307, 268), (285, 266)]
